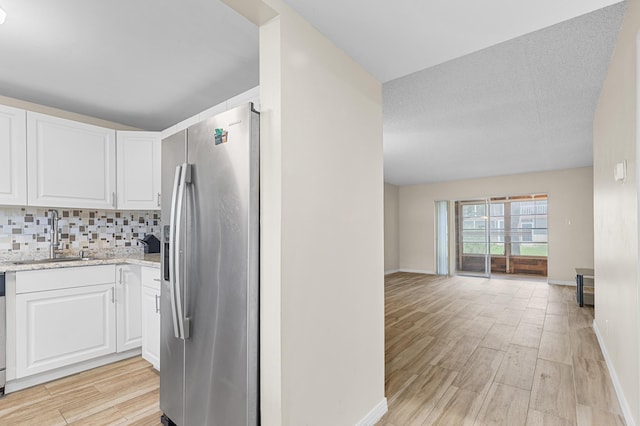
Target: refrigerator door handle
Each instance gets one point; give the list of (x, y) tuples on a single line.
[(172, 251), (183, 323)]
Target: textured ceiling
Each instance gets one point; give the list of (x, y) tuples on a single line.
[(521, 106), (394, 38), (144, 63)]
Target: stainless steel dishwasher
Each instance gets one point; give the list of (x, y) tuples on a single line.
[(3, 335)]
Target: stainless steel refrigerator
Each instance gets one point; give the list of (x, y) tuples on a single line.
[(209, 295)]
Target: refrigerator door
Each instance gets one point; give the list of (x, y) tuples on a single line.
[(174, 149), (221, 353)]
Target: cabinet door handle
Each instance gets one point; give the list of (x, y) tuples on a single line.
[(113, 199), (157, 279), (120, 279), (113, 295), (157, 304), (158, 199)]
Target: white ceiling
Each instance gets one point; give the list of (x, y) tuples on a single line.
[(144, 63), (394, 38), (524, 105), (152, 63)]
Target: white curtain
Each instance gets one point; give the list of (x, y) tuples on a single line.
[(442, 238)]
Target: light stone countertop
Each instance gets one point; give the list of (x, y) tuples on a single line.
[(152, 260)]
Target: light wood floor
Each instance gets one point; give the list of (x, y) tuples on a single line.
[(473, 351), (458, 351), (123, 393)]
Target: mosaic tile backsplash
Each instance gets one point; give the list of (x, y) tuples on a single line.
[(25, 231)]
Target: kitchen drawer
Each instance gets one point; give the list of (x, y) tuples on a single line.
[(151, 277), (53, 279)]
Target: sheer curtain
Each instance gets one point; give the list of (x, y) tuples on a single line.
[(442, 238)]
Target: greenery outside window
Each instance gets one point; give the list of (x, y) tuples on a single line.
[(517, 226)]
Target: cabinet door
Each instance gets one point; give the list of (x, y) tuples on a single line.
[(151, 325), (128, 297), (151, 315), (61, 327), (138, 170), (70, 164), (13, 145)]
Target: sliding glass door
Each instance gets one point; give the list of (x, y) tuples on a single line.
[(503, 235), (472, 242)]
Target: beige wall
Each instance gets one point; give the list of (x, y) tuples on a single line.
[(16, 103), (391, 224), (322, 247), (570, 216), (616, 213), (271, 262)]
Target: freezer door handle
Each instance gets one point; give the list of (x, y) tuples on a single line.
[(172, 251), (181, 324)]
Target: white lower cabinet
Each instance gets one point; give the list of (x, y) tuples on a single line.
[(70, 315), (128, 296), (61, 327), (151, 315)]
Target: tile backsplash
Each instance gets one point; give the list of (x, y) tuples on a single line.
[(25, 231)]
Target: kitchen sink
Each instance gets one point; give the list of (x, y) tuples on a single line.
[(56, 260)]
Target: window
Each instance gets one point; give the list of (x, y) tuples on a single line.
[(515, 223), (497, 234), (442, 237), (474, 225), (529, 228), (502, 235)]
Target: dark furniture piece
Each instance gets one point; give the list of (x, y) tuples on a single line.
[(581, 274)]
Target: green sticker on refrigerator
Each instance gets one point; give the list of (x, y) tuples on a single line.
[(220, 136)]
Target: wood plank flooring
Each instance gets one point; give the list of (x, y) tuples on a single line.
[(459, 351), (473, 351), (123, 393)]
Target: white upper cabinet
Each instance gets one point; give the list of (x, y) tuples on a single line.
[(71, 164), (138, 170), (13, 145)]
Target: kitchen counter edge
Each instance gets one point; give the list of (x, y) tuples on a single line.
[(152, 260)]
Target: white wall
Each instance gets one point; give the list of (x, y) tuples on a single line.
[(391, 224), (615, 216), (30, 106), (322, 247), (251, 95), (570, 216)]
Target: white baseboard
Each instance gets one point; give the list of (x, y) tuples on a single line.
[(391, 271), (417, 271), (560, 282), (375, 414), (626, 410)]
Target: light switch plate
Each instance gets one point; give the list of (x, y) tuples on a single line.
[(620, 171)]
